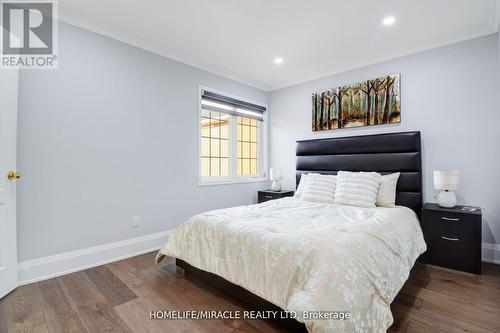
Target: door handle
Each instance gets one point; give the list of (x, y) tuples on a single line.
[(449, 219), (14, 175), (450, 239)]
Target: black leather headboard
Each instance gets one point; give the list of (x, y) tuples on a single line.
[(383, 153)]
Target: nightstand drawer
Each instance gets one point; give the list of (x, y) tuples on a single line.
[(453, 252), (451, 229), (450, 217), (264, 196)]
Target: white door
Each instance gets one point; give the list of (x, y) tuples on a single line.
[(8, 136)]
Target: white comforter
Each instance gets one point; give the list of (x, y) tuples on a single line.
[(305, 256)]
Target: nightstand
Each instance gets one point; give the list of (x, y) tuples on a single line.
[(267, 195), (453, 237)]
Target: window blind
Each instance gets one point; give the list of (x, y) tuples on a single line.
[(215, 102)]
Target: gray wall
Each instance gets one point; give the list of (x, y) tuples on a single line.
[(450, 94), (111, 134)]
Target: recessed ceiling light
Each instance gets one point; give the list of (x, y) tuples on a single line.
[(278, 61), (389, 20)]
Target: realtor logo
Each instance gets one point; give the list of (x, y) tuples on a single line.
[(29, 34)]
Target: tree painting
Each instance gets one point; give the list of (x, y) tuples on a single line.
[(367, 103)]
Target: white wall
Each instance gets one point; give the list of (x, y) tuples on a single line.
[(450, 94), (111, 134)]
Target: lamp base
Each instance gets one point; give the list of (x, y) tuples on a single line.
[(447, 199), (276, 186)]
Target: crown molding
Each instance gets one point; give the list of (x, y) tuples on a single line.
[(161, 51)]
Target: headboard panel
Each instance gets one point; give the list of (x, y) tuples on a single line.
[(384, 153)]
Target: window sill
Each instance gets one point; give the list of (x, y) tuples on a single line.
[(232, 181)]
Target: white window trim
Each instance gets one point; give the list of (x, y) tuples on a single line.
[(208, 181)]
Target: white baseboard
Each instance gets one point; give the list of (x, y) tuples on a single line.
[(491, 253), (60, 264)]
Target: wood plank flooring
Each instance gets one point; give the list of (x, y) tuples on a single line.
[(118, 297)]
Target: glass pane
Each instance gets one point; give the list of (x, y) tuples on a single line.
[(246, 150), (215, 128), (239, 132), (253, 166), (205, 127), (253, 134), (224, 167), (205, 167), (246, 133), (241, 162), (253, 150), (224, 129), (205, 147), (224, 148), (253, 122), (215, 147), (246, 167), (205, 113), (239, 167), (214, 162)]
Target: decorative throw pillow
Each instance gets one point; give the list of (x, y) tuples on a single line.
[(357, 188), (302, 183), (319, 188), (387, 191)]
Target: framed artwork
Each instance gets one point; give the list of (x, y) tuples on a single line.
[(366, 103)]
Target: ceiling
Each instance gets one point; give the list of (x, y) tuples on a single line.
[(239, 39)]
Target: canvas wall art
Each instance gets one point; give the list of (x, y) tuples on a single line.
[(367, 103)]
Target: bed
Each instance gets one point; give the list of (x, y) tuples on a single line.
[(317, 261)]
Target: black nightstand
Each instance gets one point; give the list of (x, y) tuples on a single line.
[(453, 237), (271, 195)]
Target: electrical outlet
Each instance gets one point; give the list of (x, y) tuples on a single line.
[(136, 221)]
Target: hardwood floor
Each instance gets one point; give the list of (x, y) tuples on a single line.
[(118, 297)]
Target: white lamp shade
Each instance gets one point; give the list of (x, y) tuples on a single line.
[(275, 174), (446, 180)]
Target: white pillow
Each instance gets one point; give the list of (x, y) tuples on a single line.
[(357, 188), (387, 191), (300, 188), (319, 188)]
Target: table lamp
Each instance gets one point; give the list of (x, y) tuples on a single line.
[(275, 175), (446, 181)]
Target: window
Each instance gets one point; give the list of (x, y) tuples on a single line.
[(248, 144), (232, 139), (214, 143)]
